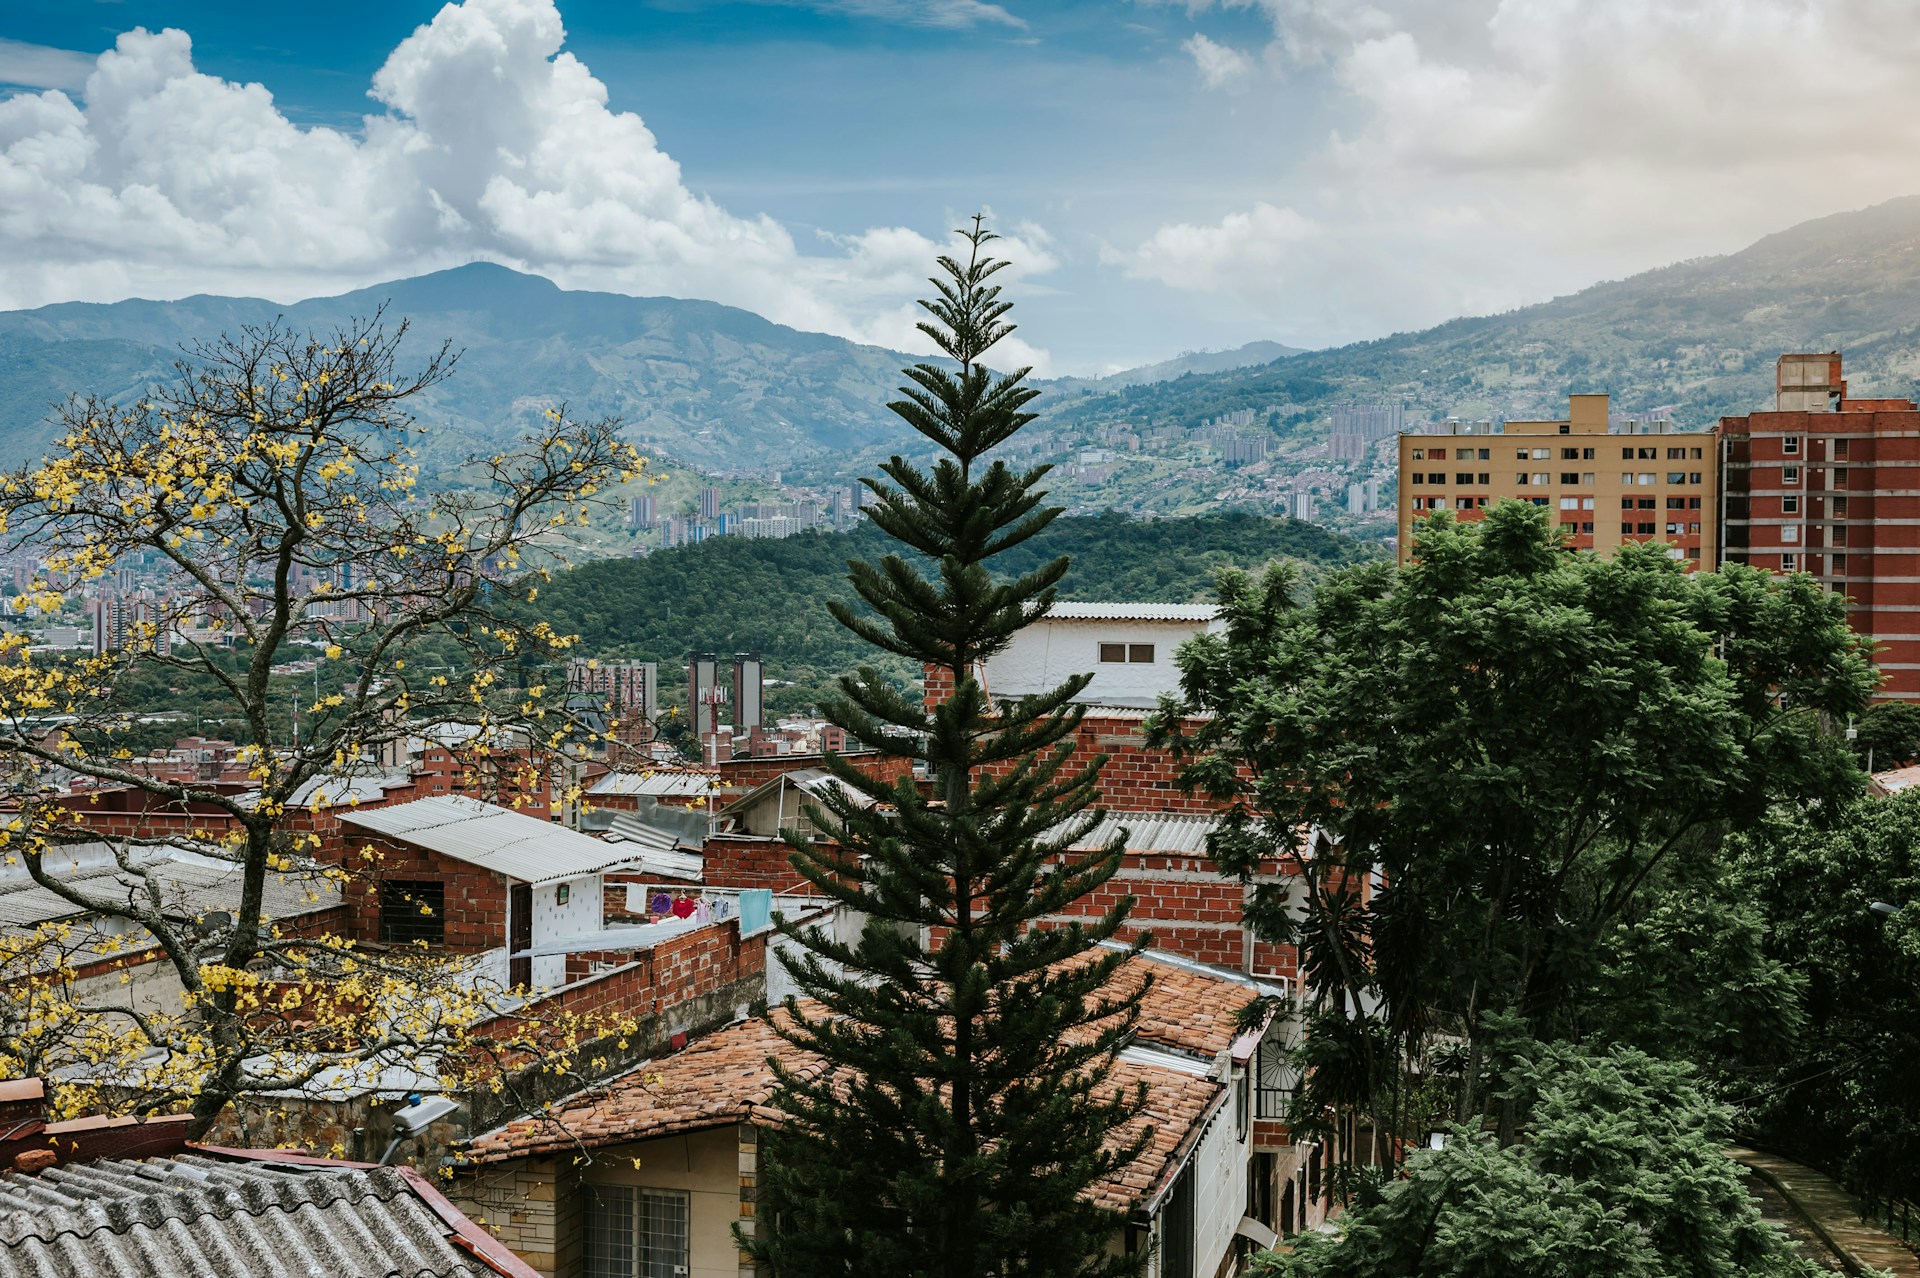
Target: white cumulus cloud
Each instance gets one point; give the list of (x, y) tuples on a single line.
[(1486, 153), (493, 143), (1219, 64)]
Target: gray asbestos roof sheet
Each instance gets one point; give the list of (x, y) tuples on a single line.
[(1172, 834), (1067, 610), (494, 838), (194, 1217)]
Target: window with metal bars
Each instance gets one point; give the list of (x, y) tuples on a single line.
[(636, 1233), (411, 910)]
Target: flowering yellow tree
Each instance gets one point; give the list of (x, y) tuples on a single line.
[(271, 501)]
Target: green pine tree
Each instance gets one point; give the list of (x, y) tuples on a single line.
[(968, 1099)]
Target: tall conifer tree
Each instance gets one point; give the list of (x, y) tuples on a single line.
[(968, 1099)]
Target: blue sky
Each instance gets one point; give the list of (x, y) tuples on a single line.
[(1172, 176)]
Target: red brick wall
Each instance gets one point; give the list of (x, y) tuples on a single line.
[(736, 861), (745, 773), (476, 899), (689, 966)]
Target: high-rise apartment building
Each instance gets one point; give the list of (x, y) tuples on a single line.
[(709, 503), (1602, 485), (1830, 485)]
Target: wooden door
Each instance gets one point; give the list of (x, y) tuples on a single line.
[(520, 935)]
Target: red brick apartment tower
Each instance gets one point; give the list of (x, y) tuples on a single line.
[(1830, 485)]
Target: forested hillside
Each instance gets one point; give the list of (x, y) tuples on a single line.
[(733, 594)]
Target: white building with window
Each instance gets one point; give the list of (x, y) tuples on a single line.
[(1128, 648)]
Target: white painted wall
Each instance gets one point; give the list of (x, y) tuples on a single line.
[(1220, 1188), (582, 914), (1051, 650)]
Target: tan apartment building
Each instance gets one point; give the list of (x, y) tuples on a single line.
[(1603, 483)]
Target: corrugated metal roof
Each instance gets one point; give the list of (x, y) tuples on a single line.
[(1069, 610), (663, 784), (196, 1217), (495, 838), (190, 884), (1175, 834)]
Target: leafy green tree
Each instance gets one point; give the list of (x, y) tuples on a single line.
[(1481, 762), (1889, 735), (1845, 1097), (1621, 1173), (966, 1101)]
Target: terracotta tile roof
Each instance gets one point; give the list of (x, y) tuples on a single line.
[(1184, 1009), (723, 1079), (1177, 1104)]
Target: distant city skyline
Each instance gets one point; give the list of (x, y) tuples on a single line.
[(1171, 176)]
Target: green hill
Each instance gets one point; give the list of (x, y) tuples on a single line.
[(704, 384), (735, 594)]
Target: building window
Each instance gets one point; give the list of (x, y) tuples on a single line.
[(1626, 530), (1586, 478), (1463, 478), (1626, 454), (1790, 445), (1520, 454), (1791, 474), (1790, 505), (1141, 654), (1520, 478), (1541, 454), (1648, 503), (1646, 530), (1570, 526), (411, 910), (1673, 530), (1839, 565), (1436, 478), (1693, 477), (1483, 478), (1676, 454), (1566, 428), (636, 1233), (1839, 507), (1463, 454), (1693, 454), (1693, 503), (1676, 503), (1486, 454), (1419, 454), (1790, 533), (1646, 477), (1586, 454), (1840, 477), (1419, 478), (1676, 477), (1626, 503), (1586, 503), (1840, 447), (1648, 454), (1569, 477), (1569, 454), (1538, 501), (1789, 563), (1839, 536), (1585, 527)]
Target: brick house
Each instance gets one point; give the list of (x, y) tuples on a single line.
[(468, 877), (656, 1168)]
